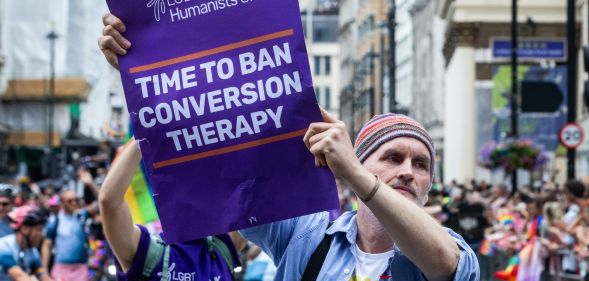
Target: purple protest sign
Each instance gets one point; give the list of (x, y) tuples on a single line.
[(220, 95)]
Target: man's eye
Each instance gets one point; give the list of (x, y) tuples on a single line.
[(421, 165), (395, 159)]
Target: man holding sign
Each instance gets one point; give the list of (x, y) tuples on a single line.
[(390, 168)]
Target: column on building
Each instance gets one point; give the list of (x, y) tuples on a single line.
[(459, 156)]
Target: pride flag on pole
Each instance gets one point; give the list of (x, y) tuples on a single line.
[(531, 266), (139, 198), (139, 195)]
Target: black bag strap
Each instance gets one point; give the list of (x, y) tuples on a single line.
[(316, 261)]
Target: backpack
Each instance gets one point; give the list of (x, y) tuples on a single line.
[(157, 248)]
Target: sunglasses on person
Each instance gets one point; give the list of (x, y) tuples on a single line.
[(71, 201), (4, 204)]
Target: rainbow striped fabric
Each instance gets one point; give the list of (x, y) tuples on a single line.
[(139, 194), (139, 198), (510, 272), (487, 248), (506, 219)]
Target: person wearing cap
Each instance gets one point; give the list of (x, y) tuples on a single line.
[(390, 237), (6, 204), (19, 257)]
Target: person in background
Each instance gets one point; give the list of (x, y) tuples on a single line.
[(67, 237), (6, 204), (19, 257), (144, 256)]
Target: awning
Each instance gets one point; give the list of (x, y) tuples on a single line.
[(32, 138), (67, 90)]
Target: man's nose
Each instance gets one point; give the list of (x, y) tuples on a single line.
[(405, 172)]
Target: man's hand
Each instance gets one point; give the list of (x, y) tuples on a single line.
[(85, 176), (88, 180), (112, 43), (330, 143)]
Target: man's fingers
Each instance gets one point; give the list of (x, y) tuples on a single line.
[(314, 142), (109, 30), (314, 139), (318, 150), (112, 58), (110, 19), (109, 43), (327, 117), (314, 129)]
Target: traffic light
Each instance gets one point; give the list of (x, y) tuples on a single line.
[(540, 96)]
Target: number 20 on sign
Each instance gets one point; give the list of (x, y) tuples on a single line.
[(571, 135)]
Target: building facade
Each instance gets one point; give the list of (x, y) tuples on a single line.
[(428, 72), (478, 83), (364, 39), (324, 57), (73, 107)]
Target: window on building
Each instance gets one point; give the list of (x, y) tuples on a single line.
[(327, 65), (317, 65), (327, 98), (318, 95)]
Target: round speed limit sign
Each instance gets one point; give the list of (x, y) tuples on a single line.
[(571, 135)]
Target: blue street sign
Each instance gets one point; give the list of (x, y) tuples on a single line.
[(531, 48)]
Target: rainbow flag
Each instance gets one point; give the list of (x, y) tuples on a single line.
[(139, 199), (139, 196), (506, 219), (510, 272), (531, 266), (487, 248)]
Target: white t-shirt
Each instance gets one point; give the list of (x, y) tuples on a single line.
[(369, 267)]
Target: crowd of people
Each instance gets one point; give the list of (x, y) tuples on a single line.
[(546, 227), (53, 232)]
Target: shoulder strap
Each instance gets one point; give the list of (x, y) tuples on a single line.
[(316, 261), (214, 243), (53, 233), (165, 271), (155, 250)]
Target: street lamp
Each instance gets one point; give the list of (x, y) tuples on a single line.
[(52, 36), (392, 23)]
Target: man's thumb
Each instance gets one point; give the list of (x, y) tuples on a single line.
[(326, 116)]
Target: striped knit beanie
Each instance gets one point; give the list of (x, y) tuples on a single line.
[(385, 127)]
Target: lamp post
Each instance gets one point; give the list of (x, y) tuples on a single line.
[(514, 83), (392, 22), (52, 36), (571, 81)]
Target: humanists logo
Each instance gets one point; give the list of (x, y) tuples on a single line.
[(184, 9), (159, 8)]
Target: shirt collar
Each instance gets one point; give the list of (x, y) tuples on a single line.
[(346, 223)]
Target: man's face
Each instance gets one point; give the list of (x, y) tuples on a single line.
[(69, 201), (404, 164), (5, 206), (35, 234)]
